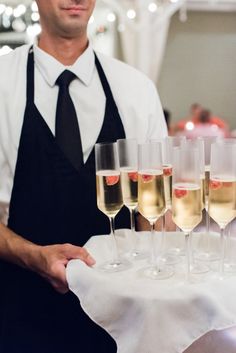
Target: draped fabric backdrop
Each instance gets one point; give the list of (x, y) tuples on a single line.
[(140, 41), (145, 50)]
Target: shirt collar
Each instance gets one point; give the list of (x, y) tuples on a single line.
[(51, 68)]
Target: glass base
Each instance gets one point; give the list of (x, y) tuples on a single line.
[(169, 259), (230, 267), (177, 251), (199, 269), (218, 274), (154, 272), (206, 256), (137, 255), (115, 266)]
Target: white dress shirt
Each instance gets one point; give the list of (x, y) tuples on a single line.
[(135, 95)]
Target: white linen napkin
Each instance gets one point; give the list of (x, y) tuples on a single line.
[(150, 316)]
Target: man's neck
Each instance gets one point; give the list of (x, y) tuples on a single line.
[(64, 50)]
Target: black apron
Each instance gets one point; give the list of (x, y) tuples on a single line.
[(52, 203)]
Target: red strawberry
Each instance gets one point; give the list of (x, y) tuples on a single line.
[(133, 176), (179, 193), (147, 178), (167, 171), (213, 184), (112, 179)]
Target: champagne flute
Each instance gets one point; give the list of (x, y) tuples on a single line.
[(167, 153), (229, 263), (207, 255), (151, 199), (128, 158), (186, 194), (198, 143), (109, 196), (173, 254), (222, 190)]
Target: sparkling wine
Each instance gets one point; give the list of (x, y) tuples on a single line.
[(222, 200), (167, 171), (186, 205), (129, 184), (151, 196), (109, 195)]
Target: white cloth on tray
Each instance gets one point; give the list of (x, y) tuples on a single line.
[(150, 316)]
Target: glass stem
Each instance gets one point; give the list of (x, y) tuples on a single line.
[(191, 255), (188, 260), (163, 228), (222, 260), (132, 228), (228, 243), (207, 229), (153, 247), (132, 220), (114, 250)]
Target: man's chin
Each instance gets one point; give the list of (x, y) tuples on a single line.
[(73, 30)]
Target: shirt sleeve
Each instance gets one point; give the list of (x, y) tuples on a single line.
[(5, 170), (157, 128), (6, 176), (12, 106)]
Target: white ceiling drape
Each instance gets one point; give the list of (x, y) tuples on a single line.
[(143, 38)]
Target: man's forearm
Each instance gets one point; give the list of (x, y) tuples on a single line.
[(15, 249)]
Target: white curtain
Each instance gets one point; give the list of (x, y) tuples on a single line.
[(145, 49), (140, 41), (143, 42)]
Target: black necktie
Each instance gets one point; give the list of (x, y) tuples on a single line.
[(67, 127)]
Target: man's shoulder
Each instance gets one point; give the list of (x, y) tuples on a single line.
[(122, 71), (13, 64), (15, 55)]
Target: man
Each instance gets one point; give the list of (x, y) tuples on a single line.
[(194, 112), (47, 193), (204, 127)]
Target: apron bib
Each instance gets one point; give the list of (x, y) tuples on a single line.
[(53, 203)]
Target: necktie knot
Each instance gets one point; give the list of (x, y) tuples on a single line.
[(65, 78)]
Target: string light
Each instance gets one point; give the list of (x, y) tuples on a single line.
[(113, 14), (20, 18), (2, 8), (152, 7), (33, 30), (9, 11), (5, 50), (19, 10), (131, 14), (111, 17), (9, 14), (22, 11), (34, 6), (35, 16)]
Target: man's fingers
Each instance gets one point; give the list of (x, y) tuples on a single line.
[(76, 252), (58, 281), (89, 260)]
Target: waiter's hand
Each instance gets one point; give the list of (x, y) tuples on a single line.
[(52, 260)]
